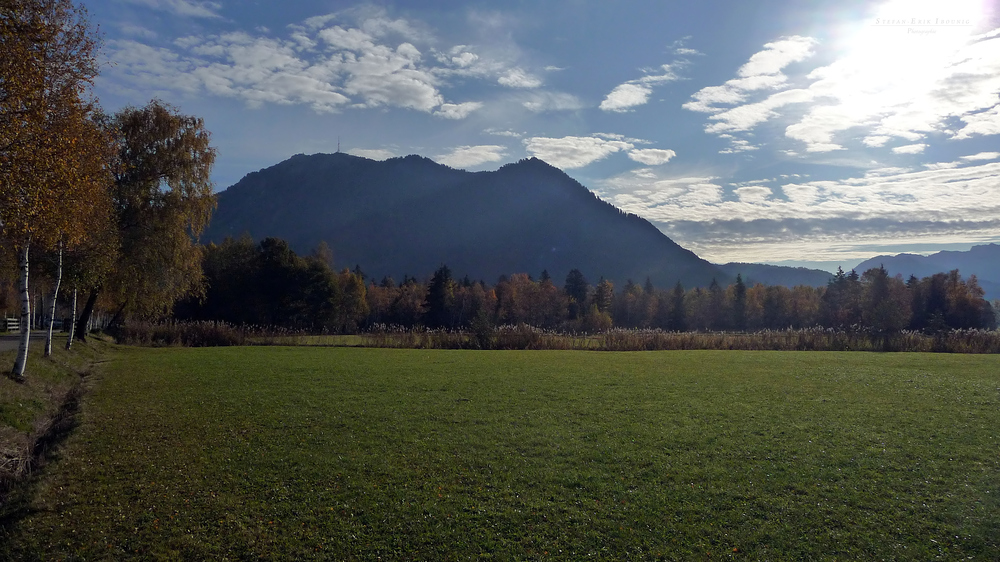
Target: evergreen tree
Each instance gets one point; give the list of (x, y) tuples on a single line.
[(440, 296), (740, 304), (603, 295), (576, 289), (678, 317)]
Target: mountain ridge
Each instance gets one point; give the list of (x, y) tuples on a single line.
[(983, 261), (409, 215)]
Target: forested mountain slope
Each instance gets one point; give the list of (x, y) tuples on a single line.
[(407, 216), (981, 261)]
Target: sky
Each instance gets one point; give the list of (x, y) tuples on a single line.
[(816, 133)]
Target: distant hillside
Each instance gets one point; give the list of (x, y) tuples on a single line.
[(983, 261), (754, 273), (410, 215)]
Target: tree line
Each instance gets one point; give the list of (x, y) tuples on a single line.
[(107, 205), (269, 284)]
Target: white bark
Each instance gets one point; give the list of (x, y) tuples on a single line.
[(22, 350), (72, 324), (55, 297)]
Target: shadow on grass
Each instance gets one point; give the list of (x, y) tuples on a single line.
[(21, 473)]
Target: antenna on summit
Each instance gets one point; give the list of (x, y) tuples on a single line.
[(338, 143)]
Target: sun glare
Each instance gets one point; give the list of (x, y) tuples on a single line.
[(898, 52)]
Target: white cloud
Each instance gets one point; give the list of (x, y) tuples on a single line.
[(457, 110), (761, 72), (981, 123), (889, 84), (469, 156), (636, 92), (651, 156), (373, 153), (740, 145), (464, 59), (753, 194), (626, 96), (778, 55), (324, 62), (909, 149), (503, 133), (814, 217), (573, 152), (982, 156), (137, 31), (958, 192), (540, 102), (518, 78), (876, 140), (185, 8)]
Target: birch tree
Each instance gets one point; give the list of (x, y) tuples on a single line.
[(163, 199), (47, 63)]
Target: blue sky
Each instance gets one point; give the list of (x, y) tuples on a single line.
[(821, 134)]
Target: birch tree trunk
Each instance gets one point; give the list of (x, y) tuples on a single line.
[(55, 296), (22, 350), (72, 322)]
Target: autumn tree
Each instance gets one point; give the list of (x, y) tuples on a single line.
[(47, 149), (163, 198), (885, 304)]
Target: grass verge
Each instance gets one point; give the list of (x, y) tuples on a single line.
[(35, 414), (360, 454)]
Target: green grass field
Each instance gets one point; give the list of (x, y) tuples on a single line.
[(367, 454)]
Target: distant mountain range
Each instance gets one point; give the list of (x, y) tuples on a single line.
[(983, 261), (753, 273), (410, 215)]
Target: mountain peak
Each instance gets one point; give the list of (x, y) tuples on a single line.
[(408, 215)]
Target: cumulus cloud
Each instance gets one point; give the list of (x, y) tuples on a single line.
[(651, 156), (777, 55), (761, 72), (469, 156), (625, 97), (636, 92), (573, 152), (357, 59)]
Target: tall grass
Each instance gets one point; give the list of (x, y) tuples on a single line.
[(525, 337), (202, 334), (620, 339)]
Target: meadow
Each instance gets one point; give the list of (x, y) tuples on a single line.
[(403, 454)]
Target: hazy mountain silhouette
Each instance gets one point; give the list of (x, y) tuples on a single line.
[(754, 273), (410, 215), (983, 261)]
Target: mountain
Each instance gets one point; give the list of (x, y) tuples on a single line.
[(410, 215), (983, 261), (754, 273)]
